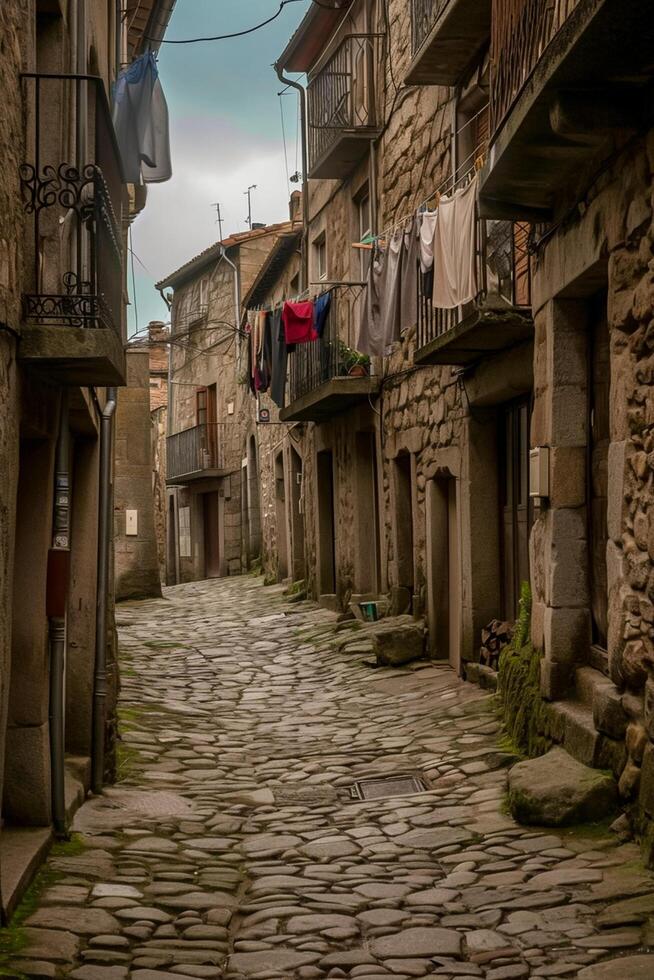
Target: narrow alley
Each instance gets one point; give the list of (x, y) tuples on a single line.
[(232, 845)]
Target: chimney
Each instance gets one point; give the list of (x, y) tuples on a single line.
[(157, 331), (295, 206)]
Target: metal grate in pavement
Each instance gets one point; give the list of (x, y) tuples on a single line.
[(383, 787)]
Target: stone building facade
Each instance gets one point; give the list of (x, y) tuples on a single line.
[(213, 512), (498, 457), (511, 443), (62, 329)]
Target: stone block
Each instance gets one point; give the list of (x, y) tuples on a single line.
[(616, 502), (567, 570), (608, 714), (398, 644), (566, 634), (636, 742), (27, 776), (555, 679), (538, 610), (646, 794), (648, 707), (568, 476), (555, 790), (569, 415)]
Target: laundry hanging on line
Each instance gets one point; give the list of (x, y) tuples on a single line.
[(140, 118)]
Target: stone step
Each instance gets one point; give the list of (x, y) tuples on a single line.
[(587, 680), (580, 737)]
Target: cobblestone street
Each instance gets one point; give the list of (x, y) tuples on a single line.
[(232, 845)]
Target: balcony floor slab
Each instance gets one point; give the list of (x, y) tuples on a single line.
[(331, 398), (74, 355), (602, 47), (481, 336)]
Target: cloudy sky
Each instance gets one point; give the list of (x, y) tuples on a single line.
[(226, 134)]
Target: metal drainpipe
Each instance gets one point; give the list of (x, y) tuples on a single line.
[(169, 417), (237, 290), (104, 542), (58, 570), (305, 177)]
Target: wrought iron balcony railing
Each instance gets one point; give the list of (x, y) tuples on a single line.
[(424, 14), (194, 452), (503, 277), (521, 32), (73, 192), (342, 95), (332, 356)]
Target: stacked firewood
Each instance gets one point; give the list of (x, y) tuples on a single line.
[(494, 638)]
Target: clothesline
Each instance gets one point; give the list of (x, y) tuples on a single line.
[(476, 155)]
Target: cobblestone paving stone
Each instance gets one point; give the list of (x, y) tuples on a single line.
[(232, 847)]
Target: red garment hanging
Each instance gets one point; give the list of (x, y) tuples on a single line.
[(298, 323)]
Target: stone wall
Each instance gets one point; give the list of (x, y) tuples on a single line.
[(136, 561), (606, 243)]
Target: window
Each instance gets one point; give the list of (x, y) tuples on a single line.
[(320, 256), (184, 532), (204, 293), (365, 230), (201, 406), (295, 285)]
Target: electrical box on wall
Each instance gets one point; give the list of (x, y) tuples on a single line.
[(131, 522), (230, 408), (539, 472)]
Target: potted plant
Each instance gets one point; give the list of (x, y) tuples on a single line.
[(352, 362)]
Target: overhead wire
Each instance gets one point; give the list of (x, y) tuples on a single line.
[(233, 34)]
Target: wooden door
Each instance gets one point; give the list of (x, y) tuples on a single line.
[(515, 505), (326, 523), (597, 482), (211, 535), (453, 578)]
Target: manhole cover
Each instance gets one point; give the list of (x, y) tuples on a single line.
[(376, 789)]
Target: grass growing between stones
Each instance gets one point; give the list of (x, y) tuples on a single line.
[(12, 937), (524, 712)]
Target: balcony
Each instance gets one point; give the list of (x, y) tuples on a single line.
[(447, 36), (197, 453), (568, 79), (498, 318), (73, 307), (324, 379), (342, 112)]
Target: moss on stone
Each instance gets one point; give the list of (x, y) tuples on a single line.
[(524, 713)]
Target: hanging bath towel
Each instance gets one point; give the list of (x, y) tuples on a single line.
[(455, 261)]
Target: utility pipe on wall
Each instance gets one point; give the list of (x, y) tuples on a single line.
[(305, 176), (104, 555)]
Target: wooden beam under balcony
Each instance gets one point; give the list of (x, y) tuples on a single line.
[(74, 355), (448, 35), (331, 398), (557, 118)]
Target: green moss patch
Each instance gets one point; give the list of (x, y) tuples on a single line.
[(525, 714)]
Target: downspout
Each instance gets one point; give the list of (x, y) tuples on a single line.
[(57, 598), (237, 290), (169, 416), (304, 283), (104, 544)]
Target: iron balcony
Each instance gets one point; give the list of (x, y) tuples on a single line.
[(74, 200), (342, 108), (447, 36), (500, 314)]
